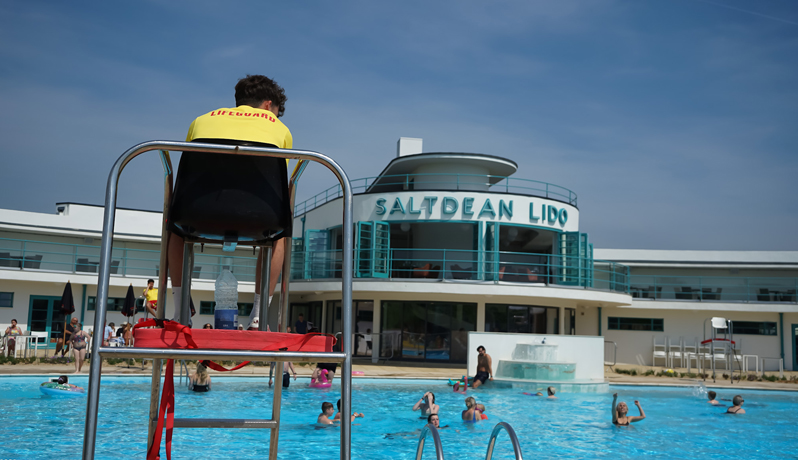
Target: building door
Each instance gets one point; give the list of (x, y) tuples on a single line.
[(794, 346), (45, 316), (311, 311), (570, 321)]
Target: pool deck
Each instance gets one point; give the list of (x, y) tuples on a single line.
[(401, 371)]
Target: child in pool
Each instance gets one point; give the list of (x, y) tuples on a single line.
[(338, 415), (326, 412)]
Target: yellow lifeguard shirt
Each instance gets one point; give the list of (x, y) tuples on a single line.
[(152, 295), (243, 123)]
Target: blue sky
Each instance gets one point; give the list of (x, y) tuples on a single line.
[(673, 120)]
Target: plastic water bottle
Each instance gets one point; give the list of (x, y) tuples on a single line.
[(225, 315)]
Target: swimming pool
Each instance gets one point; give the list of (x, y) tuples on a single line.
[(679, 423)]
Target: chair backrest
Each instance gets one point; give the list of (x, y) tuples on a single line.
[(231, 198), (719, 323), (657, 345)]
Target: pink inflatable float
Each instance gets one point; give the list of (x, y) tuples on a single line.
[(322, 382)]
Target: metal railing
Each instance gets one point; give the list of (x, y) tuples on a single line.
[(614, 353), (436, 439), (103, 286), (513, 439), (714, 288), (449, 182), (125, 262), (469, 265)]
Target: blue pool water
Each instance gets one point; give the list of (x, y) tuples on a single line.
[(679, 423)]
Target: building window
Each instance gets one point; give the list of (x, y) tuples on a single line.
[(525, 319), (635, 324), (6, 300), (427, 331), (114, 304), (754, 327), (206, 308)]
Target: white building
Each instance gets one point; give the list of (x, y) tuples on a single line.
[(445, 243)]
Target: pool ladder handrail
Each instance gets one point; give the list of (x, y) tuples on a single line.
[(436, 439), (513, 439)]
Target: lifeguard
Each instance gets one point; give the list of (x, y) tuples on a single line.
[(151, 294)]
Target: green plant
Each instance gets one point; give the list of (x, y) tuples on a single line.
[(770, 378), (649, 372)]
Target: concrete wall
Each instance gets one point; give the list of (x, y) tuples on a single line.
[(636, 347), (587, 352)]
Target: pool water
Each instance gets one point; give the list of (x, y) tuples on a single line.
[(679, 423)]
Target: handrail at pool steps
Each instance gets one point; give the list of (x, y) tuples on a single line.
[(442, 181), (513, 439), (714, 288), (436, 439), (104, 269)]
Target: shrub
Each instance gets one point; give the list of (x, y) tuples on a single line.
[(649, 372), (751, 377)]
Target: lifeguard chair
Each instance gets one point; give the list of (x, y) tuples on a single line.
[(720, 343), (251, 205)]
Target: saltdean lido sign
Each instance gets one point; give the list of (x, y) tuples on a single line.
[(510, 209)]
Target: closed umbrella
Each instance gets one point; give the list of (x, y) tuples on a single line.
[(129, 307), (67, 308)]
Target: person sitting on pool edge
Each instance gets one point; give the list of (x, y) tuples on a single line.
[(619, 417), (338, 415), (326, 412), (711, 395), (484, 368), (737, 408), (427, 405)]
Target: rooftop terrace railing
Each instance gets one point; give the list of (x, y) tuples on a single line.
[(714, 288), (461, 182), (139, 263), (467, 265)]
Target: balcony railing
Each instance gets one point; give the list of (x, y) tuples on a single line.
[(714, 288), (139, 263), (461, 182), (466, 265)]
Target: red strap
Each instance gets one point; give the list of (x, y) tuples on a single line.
[(168, 396), (167, 408)]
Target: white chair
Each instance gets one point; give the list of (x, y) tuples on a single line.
[(660, 351), (719, 353), (690, 352), (37, 338), (676, 352)]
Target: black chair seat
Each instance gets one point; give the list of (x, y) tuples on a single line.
[(230, 198)]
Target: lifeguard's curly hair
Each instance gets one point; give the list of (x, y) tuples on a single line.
[(252, 90)]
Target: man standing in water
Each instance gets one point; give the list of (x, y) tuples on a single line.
[(484, 368)]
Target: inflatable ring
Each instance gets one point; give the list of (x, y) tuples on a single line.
[(57, 389), (357, 373), (324, 383)]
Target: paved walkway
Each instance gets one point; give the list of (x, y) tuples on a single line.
[(415, 372)]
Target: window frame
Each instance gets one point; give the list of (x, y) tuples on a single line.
[(616, 323), (10, 300)]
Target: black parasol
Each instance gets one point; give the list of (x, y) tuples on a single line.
[(129, 307), (67, 302)]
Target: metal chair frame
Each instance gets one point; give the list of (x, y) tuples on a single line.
[(156, 354)]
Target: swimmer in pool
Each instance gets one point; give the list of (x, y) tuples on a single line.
[(711, 395), (435, 421), (354, 414), (472, 412), (551, 391), (620, 411), (427, 405), (737, 408), (327, 411)]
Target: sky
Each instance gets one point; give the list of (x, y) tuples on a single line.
[(674, 121)]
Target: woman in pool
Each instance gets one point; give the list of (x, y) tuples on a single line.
[(80, 342), (200, 381), (472, 412), (620, 411), (427, 405)]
